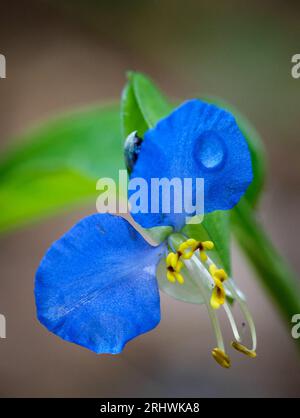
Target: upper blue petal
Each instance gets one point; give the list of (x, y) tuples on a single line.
[(96, 286), (197, 140)]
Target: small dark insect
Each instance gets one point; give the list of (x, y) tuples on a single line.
[(132, 149)]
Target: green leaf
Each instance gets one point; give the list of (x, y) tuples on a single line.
[(41, 194), (151, 103), (131, 121), (57, 165), (274, 273)]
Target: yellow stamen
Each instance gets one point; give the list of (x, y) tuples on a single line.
[(189, 245), (203, 256), (221, 275), (242, 349), (202, 246), (218, 296), (185, 250), (221, 358), (218, 273), (171, 260), (174, 265), (179, 265), (179, 278), (212, 269), (171, 276), (207, 245)]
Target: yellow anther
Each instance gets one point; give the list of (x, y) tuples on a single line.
[(174, 260), (182, 247), (190, 242), (221, 275), (174, 265), (185, 250), (202, 246), (207, 245), (203, 256), (179, 265), (189, 245), (212, 269), (171, 260), (221, 358), (187, 255), (242, 349), (216, 273), (171, 276), (179, 278), (168, 259), (218, 296)]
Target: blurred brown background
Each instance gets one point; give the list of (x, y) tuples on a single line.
[(63, 54)]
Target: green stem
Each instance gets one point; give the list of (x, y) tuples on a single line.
[(272, 269)]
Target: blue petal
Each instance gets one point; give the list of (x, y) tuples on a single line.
[(197, 140), (96, 286)]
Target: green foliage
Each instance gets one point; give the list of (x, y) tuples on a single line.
[(131, 121), (57, 165), (274, 273), (151, 103)]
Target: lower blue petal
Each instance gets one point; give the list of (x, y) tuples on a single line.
[(96, 286)]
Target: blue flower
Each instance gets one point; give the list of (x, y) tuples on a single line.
[(96, 286)]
